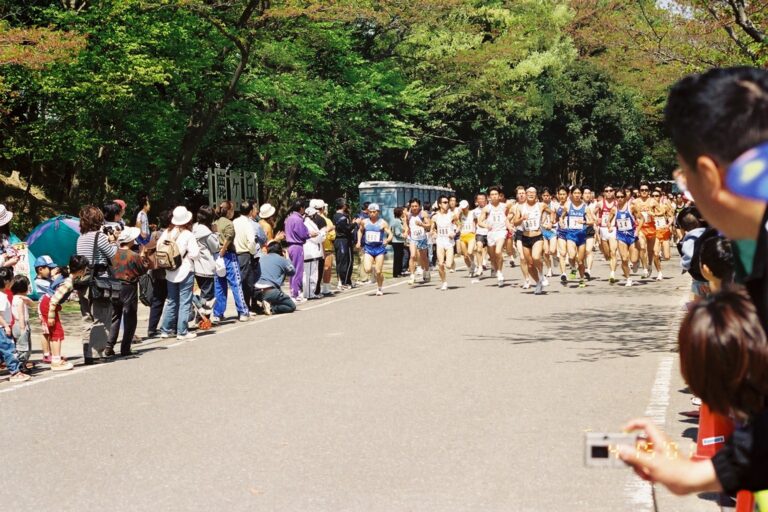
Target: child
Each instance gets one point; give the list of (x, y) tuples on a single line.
[(7, 347), (45, 268), (62, 289), (717, 262), (691, 225), (22, 333)]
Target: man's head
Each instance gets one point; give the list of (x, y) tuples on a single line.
[(111, 211), (481, 199), (531, 194), (645, 190), (587, 194), (453, 201), (608, 192), (520, 194), (562, 194), (712, 119), (415, 205), (494, 195), (246, 208)]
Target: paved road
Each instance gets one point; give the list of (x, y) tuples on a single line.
[(474, 399)]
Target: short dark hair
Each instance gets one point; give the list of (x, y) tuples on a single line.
[(341, 203), (111, 210), (721, 113), (398, 212), (77, 263), (575, 188), (562, 188), (724, 353), (297, 205), (365, 205), (414, 200), (717, 254), (274, 247), (20, 285), (494, 188), (205, 215), (480, 194), (91, 219), (246, 207), (689, 218)]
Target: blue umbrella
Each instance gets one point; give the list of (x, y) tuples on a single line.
[(56, 237)]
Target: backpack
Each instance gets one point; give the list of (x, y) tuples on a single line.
[(167, 254), (146, 289)]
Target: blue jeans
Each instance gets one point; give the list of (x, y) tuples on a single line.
[(177, 306), (7, 352), (233, 280)]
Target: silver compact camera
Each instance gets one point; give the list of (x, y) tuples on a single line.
[(601, 449)]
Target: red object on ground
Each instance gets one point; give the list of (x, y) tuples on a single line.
[(745, 502), (714, 429)]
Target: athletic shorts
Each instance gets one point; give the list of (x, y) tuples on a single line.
[(561, 234), (649, 230), (579, 237), (445, 243), (530, 241), (626, 237), (549, 234), (468, 237), (590, 232), (495, 236), (421, 245), (664, 234), (375, 250), (607, 235), (481, 239), (510, 235)]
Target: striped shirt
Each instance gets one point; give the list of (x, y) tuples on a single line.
[(104, 253)]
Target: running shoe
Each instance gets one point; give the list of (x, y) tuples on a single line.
[(545, 281), (500, 278), (214, 320), (427, 276), (379, 292), (412, 279), (61, 366), (549, 273), (612, 279), (299, 300), (444, 286), (527, 286), (364, 283), (588, 275), (582, 284), (472, 270), (185, 337), (19, 377), (451, 270), (539, 288), (628, 283), (164, 335), (645, 273), (563, 278), (659, 277), (244, 318), (573, 272), (267, 307)]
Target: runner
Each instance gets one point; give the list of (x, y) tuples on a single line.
[(453, 208), (467, 236), (444, 228), (549, 231), (663, 227), (577, 218), (605, 210), (589, 198), (418, 224), (520, 199), (494, 218), (562, 246), (374, 242), (625, 224), (529, 215), (647, 208), (481, 234)]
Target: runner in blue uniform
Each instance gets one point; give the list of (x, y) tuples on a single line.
[(562, 247), (374, 237), (623, 221), (577, 217)]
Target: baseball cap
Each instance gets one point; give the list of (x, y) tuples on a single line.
[(748, 175), (45, 261), (463, 204), (120, 203), (373, 207)]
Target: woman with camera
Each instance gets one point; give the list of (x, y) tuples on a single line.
[(98, 248)]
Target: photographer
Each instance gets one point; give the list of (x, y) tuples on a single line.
[(99, 249), (713, 119), (275, 267)]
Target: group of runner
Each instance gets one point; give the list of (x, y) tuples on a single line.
[(630, 227)]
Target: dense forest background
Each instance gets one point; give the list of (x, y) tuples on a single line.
[(106, 98)]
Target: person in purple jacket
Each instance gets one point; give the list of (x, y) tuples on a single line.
[(296, 233)]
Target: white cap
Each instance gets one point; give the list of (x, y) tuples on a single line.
[(374, 207), (463, 204), (318, 204), (181, 216), (129, 234), (311, 211)]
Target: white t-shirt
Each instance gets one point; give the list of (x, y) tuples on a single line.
[(478, 212), (20, 309), (188, 249), (5, 308)]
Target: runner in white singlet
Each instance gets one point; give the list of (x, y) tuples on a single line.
[(444, 228), (494, 218)]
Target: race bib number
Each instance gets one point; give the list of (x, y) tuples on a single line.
[(444, 231), (624, 224), (468, 226), (604, 219), (575, 222), (372, 237), (531, 224), (661, 222), (418, 233), (497, 218)]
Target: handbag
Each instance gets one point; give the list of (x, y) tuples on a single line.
[(101, 287)]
